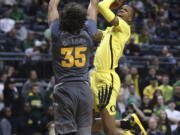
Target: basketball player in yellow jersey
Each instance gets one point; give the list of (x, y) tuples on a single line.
[(104, 80)]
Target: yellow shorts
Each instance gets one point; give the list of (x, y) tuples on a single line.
[(100, 79)]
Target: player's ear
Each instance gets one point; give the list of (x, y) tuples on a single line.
[(129, 19)]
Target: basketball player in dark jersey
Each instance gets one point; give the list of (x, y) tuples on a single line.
[(71, 51)]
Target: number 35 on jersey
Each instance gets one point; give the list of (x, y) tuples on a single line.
[(73, 57)]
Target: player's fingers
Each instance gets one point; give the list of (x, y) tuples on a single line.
[(109, 94), (103, 93), (99, 96), (106, 95), (100, 92)]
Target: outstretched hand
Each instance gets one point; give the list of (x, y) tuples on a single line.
[(94, 2), (56, 2), (53, 13), (117, 4), (104, 95)]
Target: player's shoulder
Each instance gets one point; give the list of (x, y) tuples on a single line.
[(54, 27), (84, 33), (123, 24)]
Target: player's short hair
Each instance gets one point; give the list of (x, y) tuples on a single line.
[(133, 13), (73, 17)]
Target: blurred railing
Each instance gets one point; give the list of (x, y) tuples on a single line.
[(12, 56), (43, 65)]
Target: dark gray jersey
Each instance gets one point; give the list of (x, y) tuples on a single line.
[(71, 54)]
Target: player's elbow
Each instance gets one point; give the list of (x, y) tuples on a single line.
[(101, 7), (98, 36), (106, 12), (49, 22)]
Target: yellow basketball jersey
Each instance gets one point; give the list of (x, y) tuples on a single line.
[(111, 47)]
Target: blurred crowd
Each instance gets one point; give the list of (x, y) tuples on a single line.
[(23, 24), (151, 88)]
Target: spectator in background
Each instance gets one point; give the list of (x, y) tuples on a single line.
[(159, 106), (168, 56), (26, 124), (165, 52), (48, 98), (156, 94), (173, 74), (139, 8), (125, 86), (162, 29), (33, 7), (6, 122), (133, 97), (144, 37), (21, 31), (139, 5), (135, 35), (135, 79), (163, 12), (12, 97), (151, 74), (155, 63), (36, 102), (3, 78), (121, 108), (132, 49), (9, 2), (41, 46), (177, 131), (33, 79), (176, 96), (150, 26), (6, 23), (26, 2), (166, 89), (164, 124), (47, 119), (172, 114), (33, 54), (29, 42), (129, 111), (12, 43), (41, 16), (123, 71), (153, 127), (146, 107), (16, 13), (150, 89), (145, 111), (11, 72)]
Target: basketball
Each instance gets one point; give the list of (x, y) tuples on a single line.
[(116, 4)]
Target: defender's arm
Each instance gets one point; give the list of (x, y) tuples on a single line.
[(53, 11), (92, 15)]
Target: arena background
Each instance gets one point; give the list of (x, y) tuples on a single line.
[(150, 66)]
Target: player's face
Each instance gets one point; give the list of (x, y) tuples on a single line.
[(125, 13)]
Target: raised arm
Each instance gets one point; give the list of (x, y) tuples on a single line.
[(140, 113), (53, 11), (92, 15), (104, 9), (93, 10)]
